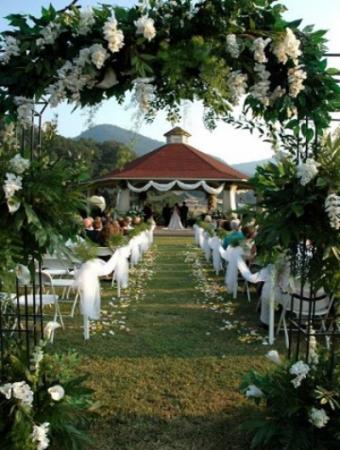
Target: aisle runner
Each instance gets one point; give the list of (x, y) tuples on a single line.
[(113, 313), (212, 298)]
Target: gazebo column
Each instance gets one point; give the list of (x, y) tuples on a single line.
[(229, 198), (123, 200)]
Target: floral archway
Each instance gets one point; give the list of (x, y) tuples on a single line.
[(214, 51)]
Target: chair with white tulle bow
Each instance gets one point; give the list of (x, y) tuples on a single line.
[(206, 246), (235, 266), (120, 274), (214, 244)]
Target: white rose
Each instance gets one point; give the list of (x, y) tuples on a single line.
[(307, 171), (98, 55), (56, 392), (146, 27), (19, 164), (254, 391)]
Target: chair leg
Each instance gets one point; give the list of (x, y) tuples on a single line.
[(248, 291), (74, 304), (118, 289)]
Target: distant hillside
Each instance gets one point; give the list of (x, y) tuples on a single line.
[(249, 167), (140, 144)]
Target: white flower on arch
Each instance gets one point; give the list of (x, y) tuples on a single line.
[(146, 26)]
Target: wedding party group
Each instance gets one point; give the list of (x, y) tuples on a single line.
[(176, 217)]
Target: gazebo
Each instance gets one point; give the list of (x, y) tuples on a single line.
[(175, 165)]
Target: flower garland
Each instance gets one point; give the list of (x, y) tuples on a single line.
[(172, 45)]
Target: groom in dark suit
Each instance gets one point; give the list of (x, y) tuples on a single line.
[(184, 214)]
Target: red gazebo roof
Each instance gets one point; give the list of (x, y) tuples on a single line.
[(176, 161)]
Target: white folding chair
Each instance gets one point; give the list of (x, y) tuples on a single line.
[(319, 307)]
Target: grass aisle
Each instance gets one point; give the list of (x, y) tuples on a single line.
[(171, 381)]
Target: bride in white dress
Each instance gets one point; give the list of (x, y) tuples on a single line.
[(175, 221)]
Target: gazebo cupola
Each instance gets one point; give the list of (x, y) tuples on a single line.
[(177, 136)]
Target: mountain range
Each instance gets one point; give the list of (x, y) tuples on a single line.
[(142, 144)]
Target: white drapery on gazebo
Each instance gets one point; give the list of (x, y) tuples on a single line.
[(164, 187)]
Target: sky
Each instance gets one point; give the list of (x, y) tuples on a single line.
[(234, 146)]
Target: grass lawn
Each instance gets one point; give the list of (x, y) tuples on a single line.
[(164, 366)]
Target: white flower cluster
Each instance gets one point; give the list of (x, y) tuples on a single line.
[(113, 35), (98, 55), (253, 391), (332, 207), (86, 20), (260, 90), (300, 369), (71, 77), (307, 171), (237, 84), (296, 78), (146, 26), (49, 34), (25, 111), (11, 185), (258, 47), (233, 45), (144, 93), (19, 390), (10, 48), (318, 417), (19, 164), (288, 47), (40, 435), (8, 135)]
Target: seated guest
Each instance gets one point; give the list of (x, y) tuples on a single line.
[(89, 231), (235, 235), (248, 243), (116, 228)]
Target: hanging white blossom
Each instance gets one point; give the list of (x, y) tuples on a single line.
[(12, 184), (277, 93), (25, 111), (296, 77), (49, 34), (258, 47), (49, 329), (260, 90), (113, 35), (40, 435), (318, 417), (22, 392), (233, 45), (86, 20), (307, 170), (13, 205), (143, 93), (19, 164), (146, 26), (301, 370), (8, 134), (332, 207), (10, 47), (288, 47), (237, 84), (98, 55)]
